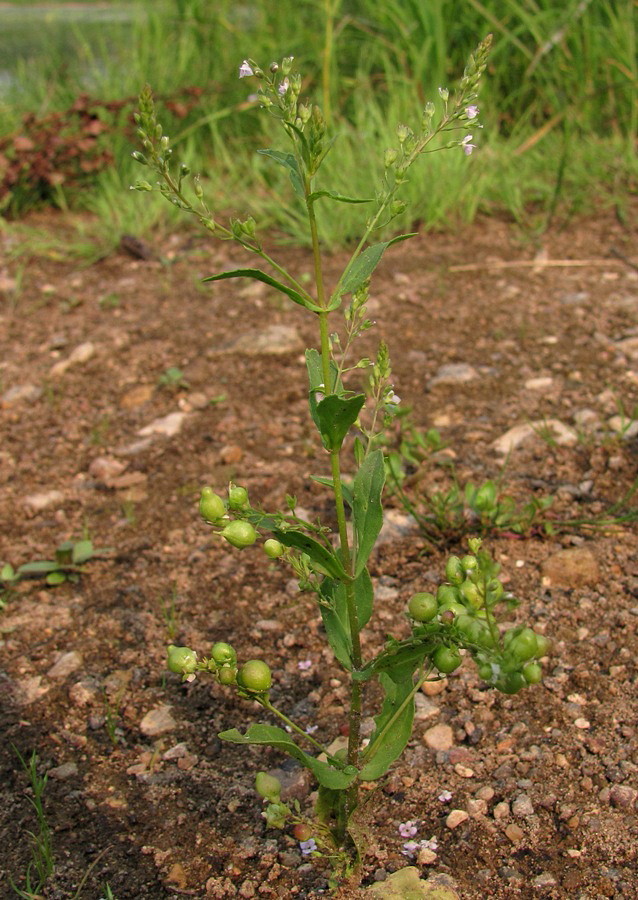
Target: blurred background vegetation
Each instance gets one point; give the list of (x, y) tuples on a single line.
[(559, 104)]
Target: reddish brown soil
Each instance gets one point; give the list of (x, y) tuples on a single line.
[(192, 825)]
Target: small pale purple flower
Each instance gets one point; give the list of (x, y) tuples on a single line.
[(467, 145), (444, 796), (432, 844), (245, 69), (410, 849), (304, 664), (307, 847), (472, 112), (283, 87), (310, 729), (407, 829)]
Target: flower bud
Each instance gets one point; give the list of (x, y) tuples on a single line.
[(454, 571), (286, 64), (389, 157), (139, 157), (403, 132), (227, 675)]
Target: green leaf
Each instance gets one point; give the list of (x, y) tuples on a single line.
[(315, 381), (288, 161), (54, 578), (346, 490), (258, 275), (335, 416), (364, 597), (393, 729), (326, 561), (340, 198), (272, 736), (8, 573), (82, 551), (365, 264), (39, 567), (334, 614), (366, 508)]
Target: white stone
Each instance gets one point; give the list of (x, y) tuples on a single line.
[(81, 354), (38, 502), (454, 373), (168, 426), (516, 435), (158, 721), (65, 665)]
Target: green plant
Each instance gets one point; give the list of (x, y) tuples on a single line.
[(67, 565), (170, 613), (172, 378), (42, 863), (333, 567)]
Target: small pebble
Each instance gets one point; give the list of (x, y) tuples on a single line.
[(456, 817)]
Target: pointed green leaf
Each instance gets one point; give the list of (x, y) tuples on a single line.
[(39, 567), (340, 198), (367, 509), (346, 490), (315, 381), (288, 161), (364, 597), (326, 561), (335, 620), (258, 275), (335, 416), (55, 578), (393, 729), (272, 736), (365, 264), (82, 551)]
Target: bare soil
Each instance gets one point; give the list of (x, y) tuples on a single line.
[(549, 777)]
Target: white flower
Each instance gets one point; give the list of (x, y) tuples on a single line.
[(472, 112), (444, 796), (283, 87), (467, 145), (304, 664), (245, 69)]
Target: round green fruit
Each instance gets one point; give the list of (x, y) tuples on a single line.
[(267, 786), (542, 645), (227, 675), (223, 654), (273, 548), (423, 607), (532, 673), (471, 594), (181, 660), (255, 676), (211, 506), (240, 534), (446, 659), (448, 593), (524, 645), (454, 570), (237, 497)]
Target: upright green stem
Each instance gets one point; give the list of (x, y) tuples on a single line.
[(335, 467)]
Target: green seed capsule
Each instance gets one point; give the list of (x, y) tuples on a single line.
[(267, 786), (237, 497), (454, 570), (211, 506), (532, 673), (423, 607), (255, 676), (223, 654), (446, 659), (240, 534), (181, 660), (273, 548), (227, 675)]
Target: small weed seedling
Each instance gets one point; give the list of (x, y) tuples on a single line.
[(67, 565), (41, 866), (173, 378), (333, 567)]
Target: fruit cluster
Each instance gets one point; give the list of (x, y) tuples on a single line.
[(461, 615)]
